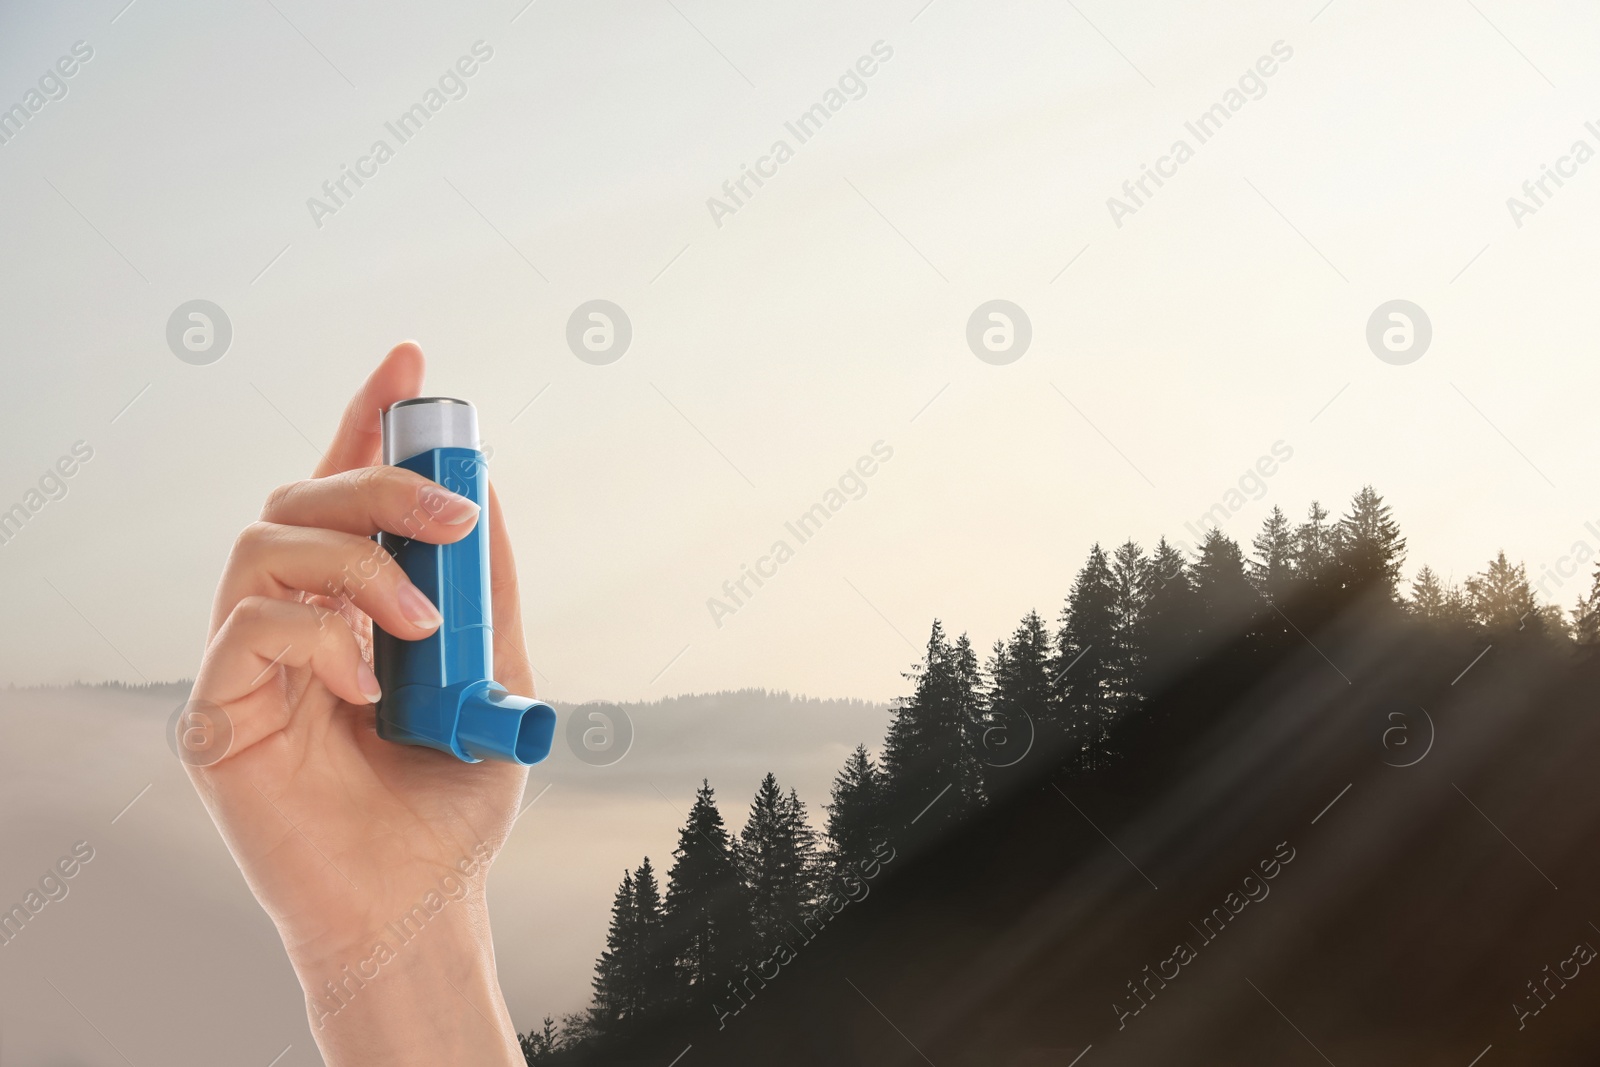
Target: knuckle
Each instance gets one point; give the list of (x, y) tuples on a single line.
[(278, 499), (333, 633), (252, 611), (326, 616), (374, 481), (253, 537), (398, 497), (391, 496), (363, 564)]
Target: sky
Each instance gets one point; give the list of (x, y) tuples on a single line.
[(779, 339)]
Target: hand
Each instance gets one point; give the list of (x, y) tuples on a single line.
[(341, 835)]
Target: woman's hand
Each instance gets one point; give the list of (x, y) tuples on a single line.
[(371, 857)]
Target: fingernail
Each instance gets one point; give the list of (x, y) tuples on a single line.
[(367, 682), (452, 509), (418, 608)]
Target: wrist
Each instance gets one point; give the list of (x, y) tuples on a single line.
[(422, 989)]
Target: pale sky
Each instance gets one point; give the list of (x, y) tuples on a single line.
[(828, 313)]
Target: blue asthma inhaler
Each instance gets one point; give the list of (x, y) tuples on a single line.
[(440, 691)]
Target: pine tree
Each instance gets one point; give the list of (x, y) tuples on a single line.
[(1586, 616), (618, 963), (1500, 596), (967, 691), (808, 860), (1272, 570), (576, 1029), (707, 919), (1585, 621), (1029, 654), (1017, 700), (1553, 622), (539, 1047), (653, 971), (777, 857), (1457, 607), (1368, 545), (1435, 601), (1130, 587), (1427, 600), (1227, 599), (1084, 670), (911, 747), (1172, 613), (855, 814), (1315, 542), (998, 716), (930, 754)]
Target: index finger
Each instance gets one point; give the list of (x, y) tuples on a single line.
[(357, 442)]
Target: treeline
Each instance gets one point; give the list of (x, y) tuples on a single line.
[(1052, 698), (729, 903)]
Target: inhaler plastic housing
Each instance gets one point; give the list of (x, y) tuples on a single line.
[(440, 691)]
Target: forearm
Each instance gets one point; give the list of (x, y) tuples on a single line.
[(427, 996)]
